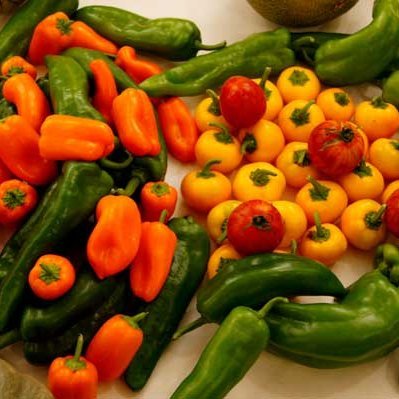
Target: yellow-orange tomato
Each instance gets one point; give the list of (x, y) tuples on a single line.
[(389, 190), (377, 118), (258, 180), (336, 104), (294, 219), (221, 257), (262, 142), (298, 83), (295, 164), (384, 155), (366, 181), (298, 119), (274, 100), (208, 112)]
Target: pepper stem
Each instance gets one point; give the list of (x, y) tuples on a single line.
[(134, 320), (189, 327), (214, 108), (318, 192), (108, 164), (265, 76), (265, 310), (206, 170), (321, 234), (164, 215), (374, 219), (293, 247), (130, 188), (300, 116), (222, 237), (75, 363), (249, 144), (217, 46)]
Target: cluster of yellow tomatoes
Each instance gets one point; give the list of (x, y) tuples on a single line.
[(261, 161)]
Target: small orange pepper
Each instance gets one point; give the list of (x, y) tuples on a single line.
[(73, 376), (336, 104), (152, 264), (274, 100), (66, 137), (179, 128), (114, 241), (15, 65), (106, 90), (51, 277), (384, 155), (134, 118), (221, 257), (17, 199), (156, 197), (389, 190), (114, 346), (138, 70), (31, 102)]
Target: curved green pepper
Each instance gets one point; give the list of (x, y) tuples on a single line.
[(248, 57), (363, 56), (229, 354), (173, 38)]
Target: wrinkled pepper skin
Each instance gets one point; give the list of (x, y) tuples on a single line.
[(390, 89), (166, 312), (69, 201), (171, 38), (16, 33), (361, 328), (69, 88), (248, 58), (87, 294), (363, 56)]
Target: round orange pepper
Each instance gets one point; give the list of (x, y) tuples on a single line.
[(336, 104), (220, 258), (15, 65), (208, 112), (274, 100), (389, 190), (384, 155)]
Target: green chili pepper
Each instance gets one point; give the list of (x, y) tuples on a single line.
[(172, 38), (248, 58), (69, 88), (16, 34), (390, 89), (69, 201), (85, 56), (44, 84), (256, 279), (229, 354), (360, 328), (167, 310)]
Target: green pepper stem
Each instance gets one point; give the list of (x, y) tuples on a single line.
[(9, 338), (76, 363), (304, 41), (265, 76), (249, 144), (134, 320), (79, 348), (206, 170), (265, 310), (293, 247), (130, 188), (164, 215), (108, 164), (201, 46), (189, 327), (373, 220), (214, 108), (220, 126)]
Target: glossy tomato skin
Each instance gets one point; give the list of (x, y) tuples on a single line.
[(392, 214), (255, 226), (336, 148), (242, 102)]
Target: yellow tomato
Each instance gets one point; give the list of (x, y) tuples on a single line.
[(262, 142), (298, 119), (336, 104), (207, 112), (325, 197), (366, 181), (298, 83), (220, 258), (377, 118), (204, 189), (217, 219), (258, 180), (274, 100), (384, 155), (389, 190), (362, 223), (295, 164), (294, 220), (220, 144)]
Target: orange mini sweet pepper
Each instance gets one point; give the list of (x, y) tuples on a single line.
[(31, 102), (19, 150), (5, 173), (152, 264), (66, 137), (15, 65), (179, 128), (135, 121), (114, 241)]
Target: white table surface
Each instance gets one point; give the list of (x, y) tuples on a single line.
[(270, 377)]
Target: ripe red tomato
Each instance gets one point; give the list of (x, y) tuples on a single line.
[(255, 226), (392, 214), (242, 102), (336, 148)]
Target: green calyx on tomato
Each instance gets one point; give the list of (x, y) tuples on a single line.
[(261, 177)]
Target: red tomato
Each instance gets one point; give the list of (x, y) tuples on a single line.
[(242, 102), (255, 226), (392, 213), (336, 148)]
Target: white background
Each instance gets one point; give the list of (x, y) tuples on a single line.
[(270, 377)]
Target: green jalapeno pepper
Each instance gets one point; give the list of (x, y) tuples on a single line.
[(248, 57), (173, 38), (241, 338)]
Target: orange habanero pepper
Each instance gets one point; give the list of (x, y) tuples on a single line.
[(106, 90), (15, 65), (19, 150), (66, 137), (179, 128), (31, 102), (138, 70), (114, 346), (152, 264), (134, 118), (114, 241)]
